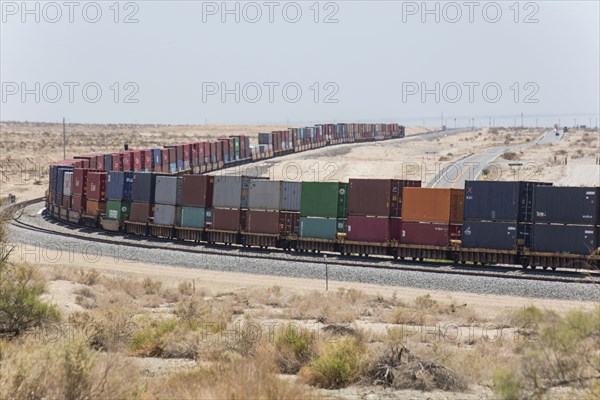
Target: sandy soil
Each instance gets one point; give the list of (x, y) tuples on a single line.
[(215, 282)]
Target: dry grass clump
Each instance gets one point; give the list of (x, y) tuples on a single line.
[(344, 306), (400, 369)]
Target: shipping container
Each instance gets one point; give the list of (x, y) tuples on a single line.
[(66, 201), (424, 234), (369, 197), (79, 203), (96, 186), (148, 161), (322, 228), (108, 162), (165, 160), (67, 183), (324, 199), (231, 191), (95, 207), (138, 160), (573, 239), (117, 161), (117, 209), (143, 187), (274, 195), (495, 235), (127, 160), (198, 190), (499, 201), (396, 195), (567, 205), (227, 219), (118, 185), (140, 212), (168, 190), (79, 185), (433, 205), (368, 229), (193, 217), (167, 214), (273, 222)]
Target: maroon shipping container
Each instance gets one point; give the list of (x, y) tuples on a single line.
[(194, 154), (424, 234), (79, 184), (138, 160), (117, 162), (187, 152), (368, 229), (127, 161), (100, 162), (396, 197), (96, 186), (148, 160), (198, 190), (179, 152), (78, 202), (66, 202), (219, 150), (273, 222), (201, 154), (213, 152), (226, 219), (172, 154), (164, 156), (207, 152), (377, 197), (141, 212)]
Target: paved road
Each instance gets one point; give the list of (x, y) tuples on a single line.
[(454, 174)]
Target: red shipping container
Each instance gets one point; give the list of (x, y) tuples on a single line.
[(368, 229), (117, 162), (425, 234), (66, 202), (179, 152), (227, 219), (148, 160), (201, 154), (187, 153), (219, 151), (128, 161), (273, 222), (100, 162), (78, 203), (164, 155), (96, 186), (198, 190), (207, 152), (138, 160), (79, 181), (173, 154), (141, 212)]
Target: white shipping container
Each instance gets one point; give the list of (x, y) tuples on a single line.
[(67, 183)]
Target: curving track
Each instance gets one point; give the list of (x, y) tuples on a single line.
[(33, 228)]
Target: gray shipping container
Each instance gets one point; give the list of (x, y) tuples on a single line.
[(231, 191), (571, 239), (168, 190), (490, 235), (274, 195), (167, 214), (567, 205)]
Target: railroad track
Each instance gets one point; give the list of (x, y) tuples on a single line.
[(118, 239)]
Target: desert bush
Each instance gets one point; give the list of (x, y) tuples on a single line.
[(186, 288), (425, 302), (295, 348), (20, 305), (149, 339), (510, 156), (89, 278), (340, 364), (150, 286)]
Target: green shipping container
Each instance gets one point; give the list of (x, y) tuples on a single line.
[(193, 217), (117, 210), (324, 199), (321, 228)]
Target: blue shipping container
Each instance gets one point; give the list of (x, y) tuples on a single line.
[(180, 165), (118, 185), (108, 162), (156, 158)]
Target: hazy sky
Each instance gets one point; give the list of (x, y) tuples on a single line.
[(300, 62)]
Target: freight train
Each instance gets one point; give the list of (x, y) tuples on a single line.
[(520, 223)]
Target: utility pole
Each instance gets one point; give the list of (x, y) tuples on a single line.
[(64, 140), (490, 123), (522, 120), (442, 119)]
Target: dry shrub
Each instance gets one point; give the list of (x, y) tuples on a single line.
[(250, 378), (400, 369), (150, 286), (66, 370), (295, 347), (186, 288), (338, 366), (89, 278), (341, 307)]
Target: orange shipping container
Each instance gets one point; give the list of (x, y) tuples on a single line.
[(94, 206), (432, 205)]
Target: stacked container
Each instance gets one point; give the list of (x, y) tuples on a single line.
[(79, 186), (118, 194), (498, 215), (430, 217), (96, 193), (323, 209), (566, 220), (274, 207), (168, 199), (142, 196), (67, 192), (230, 202), (197, 200), (375, 208)]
